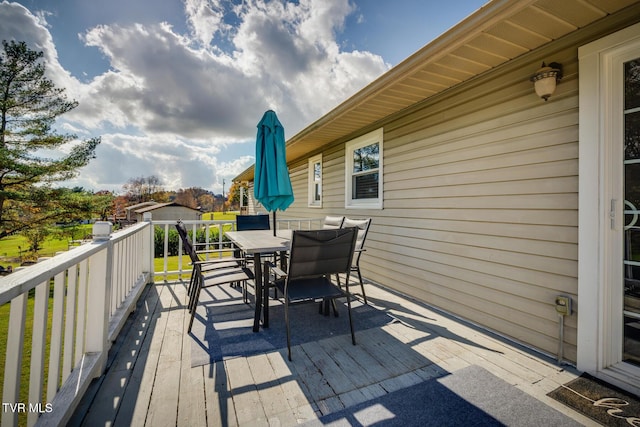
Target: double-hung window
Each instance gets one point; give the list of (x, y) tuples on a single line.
[(363, 174), (315, 181)]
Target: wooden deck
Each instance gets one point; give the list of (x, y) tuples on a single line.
[(150, 381)]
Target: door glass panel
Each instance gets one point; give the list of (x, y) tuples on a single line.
[(631, 315)]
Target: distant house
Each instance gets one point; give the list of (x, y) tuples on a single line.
[(130, 211), (488, 201), (168, 211)]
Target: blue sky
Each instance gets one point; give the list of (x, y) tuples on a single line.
[(175, 88)]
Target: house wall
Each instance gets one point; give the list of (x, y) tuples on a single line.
[(480, 210)]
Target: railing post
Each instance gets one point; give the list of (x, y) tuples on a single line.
[(147, 217), (148, 247), (98, 296)]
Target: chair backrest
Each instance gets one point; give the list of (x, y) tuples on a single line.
[(363, 229), (321, 252), (331, 222), (252, 222), (186, 242)]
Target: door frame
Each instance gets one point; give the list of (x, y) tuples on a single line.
[(601, 205)]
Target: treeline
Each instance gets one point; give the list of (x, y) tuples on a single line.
[(150, 188)]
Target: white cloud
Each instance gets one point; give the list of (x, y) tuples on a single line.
[(205, 17), (176, 100)]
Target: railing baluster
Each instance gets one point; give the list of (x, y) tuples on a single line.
[(55, 346), (13, 361), (180, 251), (70, 321), (39, 340), (166, 250), (83, 278)]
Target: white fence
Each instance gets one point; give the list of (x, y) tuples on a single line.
[(88, 293)]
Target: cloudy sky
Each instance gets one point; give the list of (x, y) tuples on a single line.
[(175, 88)]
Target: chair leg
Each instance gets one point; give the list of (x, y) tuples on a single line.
[(195, 299), (191, 297), (286, 321), (364, 296), (191, 286), (245, 297), (353, 335)]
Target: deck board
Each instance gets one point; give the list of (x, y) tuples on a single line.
[(151, 382)]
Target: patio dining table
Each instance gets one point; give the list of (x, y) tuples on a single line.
[(258, 243)]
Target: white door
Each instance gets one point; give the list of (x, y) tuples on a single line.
[(609, 210)]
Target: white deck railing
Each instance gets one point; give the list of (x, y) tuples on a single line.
[(88, 293), (213, 239)]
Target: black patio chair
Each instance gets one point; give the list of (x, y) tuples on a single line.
[(205, 265), (252, 222), (314, 258), (363, 228)]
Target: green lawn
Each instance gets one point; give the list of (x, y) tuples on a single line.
[(14, 248), (219, 216)]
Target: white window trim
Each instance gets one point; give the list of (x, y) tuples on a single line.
[(362, 141), (311, 182), (599, 326)]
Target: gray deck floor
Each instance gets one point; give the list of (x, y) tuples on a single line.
[(150, 381)]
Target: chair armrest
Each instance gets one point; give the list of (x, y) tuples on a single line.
[(222, 246), (276, 270), (215, 261)]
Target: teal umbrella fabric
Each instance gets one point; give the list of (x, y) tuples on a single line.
[(272, 185)]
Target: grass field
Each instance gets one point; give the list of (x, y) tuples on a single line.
[(13, 249)]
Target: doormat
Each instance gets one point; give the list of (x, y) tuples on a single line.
[(599, 401)]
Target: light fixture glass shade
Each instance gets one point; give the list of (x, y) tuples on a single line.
[(545, 79), (545, 87)]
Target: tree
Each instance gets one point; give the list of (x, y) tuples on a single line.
[(195, 197), (104, 206), (233, 199), (67, 206), (29, 107), (206, 202), (143, 189), (187, 197)]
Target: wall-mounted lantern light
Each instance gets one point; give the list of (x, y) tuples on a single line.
[(545, 79)]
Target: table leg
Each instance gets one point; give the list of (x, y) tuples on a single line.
[(265, 298), (257, 274)]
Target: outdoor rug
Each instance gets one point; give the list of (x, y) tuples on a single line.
[(599, 401), (471, 396), (222, 327)]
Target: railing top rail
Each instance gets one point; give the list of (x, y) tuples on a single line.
[(23, 280), (194, 221)]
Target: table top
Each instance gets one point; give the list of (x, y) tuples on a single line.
[(260, 241)]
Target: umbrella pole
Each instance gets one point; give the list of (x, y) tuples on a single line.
[(274, 222)]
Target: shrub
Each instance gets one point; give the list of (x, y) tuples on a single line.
[(174, 238)]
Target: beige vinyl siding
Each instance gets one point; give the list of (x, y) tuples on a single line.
[(481, 204), (480, 210)]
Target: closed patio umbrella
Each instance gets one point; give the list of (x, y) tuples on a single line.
[(272, 185)]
